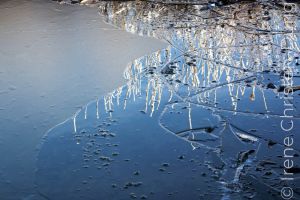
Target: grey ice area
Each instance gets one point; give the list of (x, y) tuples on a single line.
[(54, 58)]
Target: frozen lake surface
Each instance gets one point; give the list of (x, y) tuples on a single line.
[(202, 118)]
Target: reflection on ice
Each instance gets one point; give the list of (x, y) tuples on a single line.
[(218, 88)]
